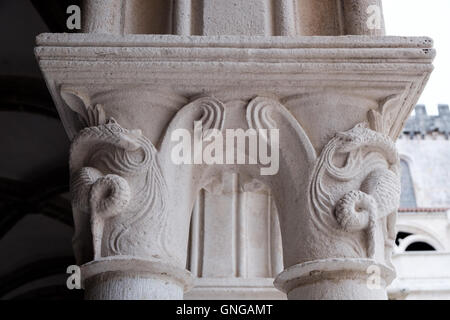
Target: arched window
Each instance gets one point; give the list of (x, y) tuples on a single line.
[(420, 246), (400, 236), (406, 241), (407, 198)]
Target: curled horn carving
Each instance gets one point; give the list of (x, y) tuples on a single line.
[(106, 195), (356, 211), (109, 196), (372, 159), (117, 182)]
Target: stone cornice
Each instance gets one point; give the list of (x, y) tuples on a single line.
[(389, 71), (223, 53), (105, 40)]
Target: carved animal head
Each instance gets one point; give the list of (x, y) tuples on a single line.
[(112, 138), (116, 180), (362, 137)]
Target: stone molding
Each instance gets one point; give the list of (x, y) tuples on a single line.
[(190, 65), (335, 269), (129, 264)]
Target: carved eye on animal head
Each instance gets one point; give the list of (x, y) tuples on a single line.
[(137, 156), (129, 142), (344, 137), (126, 139), (136, 132)]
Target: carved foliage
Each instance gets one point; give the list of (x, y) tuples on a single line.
[(382, 120), (79, 102)]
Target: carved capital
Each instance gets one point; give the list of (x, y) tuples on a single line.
[(119, 194), (348, 224), (355, 193), (131, 202)]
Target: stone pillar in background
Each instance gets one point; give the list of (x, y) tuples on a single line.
[(362, 17), (339, 17), (235, 245), (338, 103), (234, 17), (102, 16)]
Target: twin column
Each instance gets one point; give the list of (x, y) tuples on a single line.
[(122, 97)]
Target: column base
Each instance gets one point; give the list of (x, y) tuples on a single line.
[(127, 278), (234, 289), (336, 279)]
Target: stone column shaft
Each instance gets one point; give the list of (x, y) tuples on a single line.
[(103, 16)]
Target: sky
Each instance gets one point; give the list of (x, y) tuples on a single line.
[(425, 18)]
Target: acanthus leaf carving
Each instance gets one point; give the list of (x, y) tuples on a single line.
[(382, 119), (78, 101)]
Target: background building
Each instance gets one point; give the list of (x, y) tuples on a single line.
[(422, 257)]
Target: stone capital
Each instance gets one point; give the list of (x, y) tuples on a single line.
[(338, 103)]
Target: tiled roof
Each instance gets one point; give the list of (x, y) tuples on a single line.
[(422, 210)]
